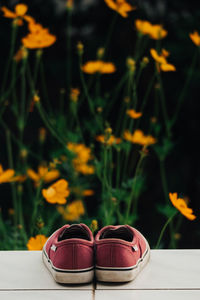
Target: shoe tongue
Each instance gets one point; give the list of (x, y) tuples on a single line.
[(122, 233), (74, 231)]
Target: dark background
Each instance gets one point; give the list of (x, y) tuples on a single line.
[(90, 22)]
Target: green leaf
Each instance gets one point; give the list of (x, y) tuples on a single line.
[(164, 149), (166, 210)]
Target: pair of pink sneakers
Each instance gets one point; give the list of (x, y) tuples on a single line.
[(117, 254)]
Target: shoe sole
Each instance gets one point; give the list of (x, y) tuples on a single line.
[(123, 274), (68, 276)]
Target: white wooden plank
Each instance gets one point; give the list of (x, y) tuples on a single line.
[(25, 270), (46, 295), (167, 269), (147, 295)]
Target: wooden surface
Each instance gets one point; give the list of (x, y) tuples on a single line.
[(170, 275)]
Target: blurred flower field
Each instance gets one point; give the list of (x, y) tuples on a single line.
[(89, 161)]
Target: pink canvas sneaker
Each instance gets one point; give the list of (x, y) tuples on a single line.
[(121, 253), (69, 254)]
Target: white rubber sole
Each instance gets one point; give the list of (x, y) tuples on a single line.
[(122, 274), (68, 276)]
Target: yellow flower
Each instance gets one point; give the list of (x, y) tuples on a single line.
[(19, 178), (120, 6), (98, 66), (133, 114), (57, 192), (155, 32), (70, 4), (108, 141), (42, 134), (131, 64), (195, 37), (73, 211), (36, 98), (87, 193), (181, 205), (94, 225), (74, 94), (43, 174), (7, 175), (138, 137), (84, 169), (161, 60), (20, 12), (38, 37), (100, 53), (80, 48), (37, 242), (83, 156), (22, 53)]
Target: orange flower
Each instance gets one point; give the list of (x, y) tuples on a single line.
[(22, 53), (19, 178), (155, 32), (108, 141), (161, 60), (20, 11), (73, 211), (70, 4), (37, 242), (120, 6), (133, 114), (181, 205), (98, 66), (138, 137), (44, 174), (83, 156), (38, 37), (74, 94), (195, 37), (87, 193), (57, 192), (7, 175)]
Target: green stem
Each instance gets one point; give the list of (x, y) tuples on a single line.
[(147, 93), (13, 188), (48, 125), (23, 100), (163, 230), (115, 94), (12, 48), (137, 47), (21, 218), (32, 81), (142, 155), (44, 86), (14, 94), (110, 31), (106, 186), (166, 192), (164, 181), (85, 89), (4, 235), (6, 94), (68, 67), (184, 90), (16, 140), (35, 207), (163, 105), (118, 168)]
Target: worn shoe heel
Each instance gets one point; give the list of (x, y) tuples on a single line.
[(69, 254), (121, 253)]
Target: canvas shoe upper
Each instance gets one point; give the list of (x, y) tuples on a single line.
[(69, 254), (121, 253)]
